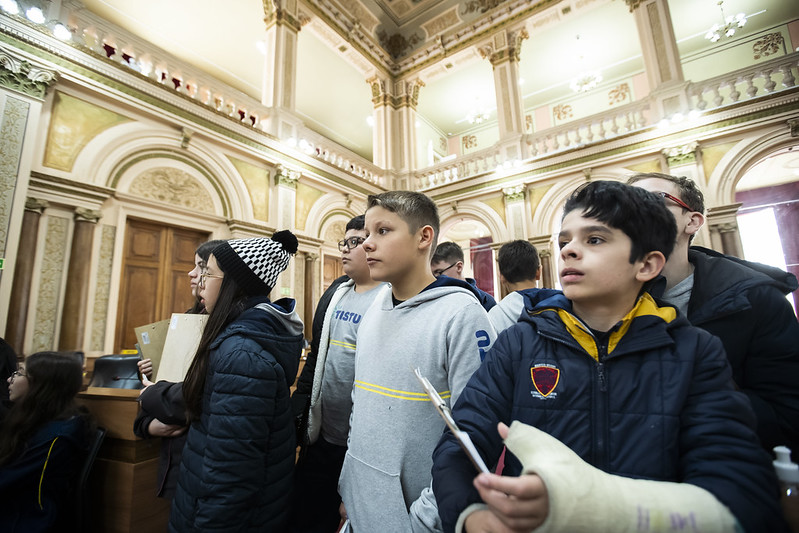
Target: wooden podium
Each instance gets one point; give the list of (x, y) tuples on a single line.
[(122, 484)]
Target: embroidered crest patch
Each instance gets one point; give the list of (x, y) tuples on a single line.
[(545, 379)]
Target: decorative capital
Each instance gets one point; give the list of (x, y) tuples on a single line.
[(185, 137), (310, 258), (793, 124), (633, 4), (275, 14), (514, 194), (544, 253), (83, 214), (19, 75), (36, 205), (380, 94), (506, 46), (287, 177), (725, 227), (681, 155)]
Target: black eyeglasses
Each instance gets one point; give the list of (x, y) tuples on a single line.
[(440, 271), (350, 244), (675, 200), (16, 374)]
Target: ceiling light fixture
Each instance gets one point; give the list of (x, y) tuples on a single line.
[(35, 14), (478, 117), (9, 6), (62, 32), (587, 79), (728, 28)]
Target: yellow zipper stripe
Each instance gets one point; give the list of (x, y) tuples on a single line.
[(41, 479)]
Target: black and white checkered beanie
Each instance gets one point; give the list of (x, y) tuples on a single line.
[(256, 263)]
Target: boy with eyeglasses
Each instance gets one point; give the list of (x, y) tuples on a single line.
[(740, 302), (322, 401), (448, 261)]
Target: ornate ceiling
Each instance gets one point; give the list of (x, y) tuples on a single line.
[(342, 43)]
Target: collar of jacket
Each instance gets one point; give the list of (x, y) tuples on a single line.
[(645, 312)]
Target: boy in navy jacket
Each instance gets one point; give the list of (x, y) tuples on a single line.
[(627, 388)]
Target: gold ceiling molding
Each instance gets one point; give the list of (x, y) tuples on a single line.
[(504, 46), (768, 45), (633, 4), (405, 93), (274, 13), (440, 24)]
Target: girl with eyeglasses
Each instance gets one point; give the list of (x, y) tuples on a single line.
[(43, 440), (238, 462), (163, 413)]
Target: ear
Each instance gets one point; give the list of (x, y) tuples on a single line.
[(538, 274), (650, 266), (695, 223), (426, 235), (459, 267)]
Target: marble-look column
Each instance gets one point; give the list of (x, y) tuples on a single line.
[(661, 56), (406, 100), (514, 210), (23, 274), (310, 293), (383, 123), (280, 70), (286, 181), (548, 262), (76, 294), (504, 51), (724, 233)]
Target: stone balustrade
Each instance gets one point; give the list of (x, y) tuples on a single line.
[(479, 162), (744, 84)]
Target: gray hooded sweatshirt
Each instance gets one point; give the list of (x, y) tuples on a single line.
[(394, 428)]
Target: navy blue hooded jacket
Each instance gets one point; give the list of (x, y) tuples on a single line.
[(238, 463), (744, 305), (654, 400)]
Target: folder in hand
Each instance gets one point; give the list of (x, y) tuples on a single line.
[(461, 436)]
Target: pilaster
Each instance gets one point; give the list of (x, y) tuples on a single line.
[(722, 222), (503, 51), (514, 209), (280, 66), (542, 243), (661, 56), (76, 295)]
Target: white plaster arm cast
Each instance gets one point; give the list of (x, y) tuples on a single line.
[(583, 498)]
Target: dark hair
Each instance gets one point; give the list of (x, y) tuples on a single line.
[(449, 252), (356, 223), (640, 214), (689, 192), (232, 301), (416, 209), (518, 261), (204, 251), (54, 379)]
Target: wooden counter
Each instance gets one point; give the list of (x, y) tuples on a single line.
[(122, 484)]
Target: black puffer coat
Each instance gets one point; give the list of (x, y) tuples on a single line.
[(238, 463)]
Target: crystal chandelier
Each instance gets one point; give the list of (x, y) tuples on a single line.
[(477, 117), (585, 81), (728, 28)]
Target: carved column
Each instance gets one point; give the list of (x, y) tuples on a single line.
[(280, 72), (661, 56), (310, 294), (514, 210), (548, 262), (383, 127), (23, 274), (406, 99), (286, 181), (504, 51), (723, 225), (76, 294), (280, 67)]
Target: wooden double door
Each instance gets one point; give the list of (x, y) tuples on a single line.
[(155, 283)]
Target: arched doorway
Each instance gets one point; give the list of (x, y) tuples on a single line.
[(474, 238), (769, 217)]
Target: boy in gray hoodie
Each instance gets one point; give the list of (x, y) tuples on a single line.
[(437, 325)]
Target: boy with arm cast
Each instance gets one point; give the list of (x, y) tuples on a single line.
[(626, 385)]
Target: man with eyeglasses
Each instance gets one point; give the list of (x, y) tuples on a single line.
[(448, 261), (740, 302), (322, 402)]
